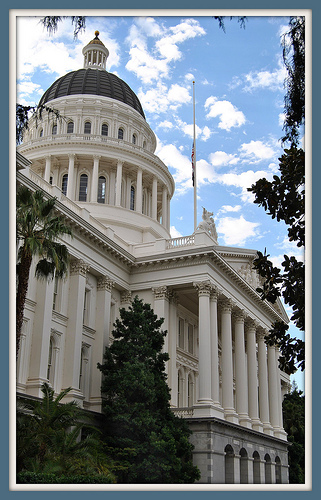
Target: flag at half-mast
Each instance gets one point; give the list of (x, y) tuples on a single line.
[(193, 162)]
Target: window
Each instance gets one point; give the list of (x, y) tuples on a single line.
[(54, 129), (87, 128), (120, 133), (181, 333), (64, 184), (70, 127), (134, 139), (101, 189), (41, 132), (83, 186), (55, 294), (190, 390), (49, 369), (132, 198), (51, 180), (190, 339), (86, 307), (104, 129)]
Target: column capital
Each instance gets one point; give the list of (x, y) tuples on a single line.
[(71, 156), (226, 305), (161, 292), (120, 162), (78, 266), (251, 324), (239, 315), (203, 287), (215, 292), (96, 157), (104, 283), (126, 297)]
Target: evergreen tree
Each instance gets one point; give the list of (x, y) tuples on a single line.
[(150, 442), (294, 424)]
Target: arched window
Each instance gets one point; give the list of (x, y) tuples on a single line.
[(134, 139), (83, 186), (229, 464), (244, 472), (132, 198), (278, 478), (101, 198), (120, 133), (144, 144), (41, 132), (268, 469), (87, 128), (54, 129), (70, 127), (64, 184), (104, 129), (256, 468)]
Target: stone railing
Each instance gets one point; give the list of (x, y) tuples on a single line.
[(183, 412), (182, 241)]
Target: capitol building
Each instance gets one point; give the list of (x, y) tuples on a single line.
[(115, 194)]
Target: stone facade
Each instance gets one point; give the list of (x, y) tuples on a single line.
[(115, 194)]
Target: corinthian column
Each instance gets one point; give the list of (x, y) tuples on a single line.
[(47, 168), (227, 361), (139, 191), (154, 199), (273, 390), (103, 304), (161, 309), (263, 386), (240, 371), (77, 284), (70, 184), (215, 379), (94, 182), (119, 175), (204, 292), (252, 377)]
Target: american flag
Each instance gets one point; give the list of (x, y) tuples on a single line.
[(193, 161)]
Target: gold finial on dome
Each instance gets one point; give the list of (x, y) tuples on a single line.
[(95, 54), (96, 33)]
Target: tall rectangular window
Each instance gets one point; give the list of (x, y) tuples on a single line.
[(83, 184), (181, 326), (101, 198)]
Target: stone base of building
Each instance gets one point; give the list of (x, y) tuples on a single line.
[(226, 453)]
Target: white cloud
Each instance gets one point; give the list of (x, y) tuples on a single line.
[(243, 181), (152, 64), (175, 233), (256, 151), (229, 208), (264, 79), (189, 77), (229, 115), (220, 158), (237, 231), (165, 125), (160, 99)]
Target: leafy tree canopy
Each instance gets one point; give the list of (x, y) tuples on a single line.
[(294, 425), (152, 444)]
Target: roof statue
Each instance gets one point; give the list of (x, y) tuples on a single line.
[(207, 224)]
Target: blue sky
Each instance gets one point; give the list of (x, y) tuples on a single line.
[(239, 93)]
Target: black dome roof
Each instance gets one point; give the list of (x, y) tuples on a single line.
[(93, 82)]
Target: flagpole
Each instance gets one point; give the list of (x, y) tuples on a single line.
[(194, 162)]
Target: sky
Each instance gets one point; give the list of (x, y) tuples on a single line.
[(239, 105)]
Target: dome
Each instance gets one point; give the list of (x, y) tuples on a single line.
[(93, 82)]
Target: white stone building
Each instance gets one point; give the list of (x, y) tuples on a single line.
[(115, 194)]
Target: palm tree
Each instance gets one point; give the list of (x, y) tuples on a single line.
[(48, 438), (38, 228)]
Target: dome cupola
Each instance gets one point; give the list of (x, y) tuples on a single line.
[(95, 54)]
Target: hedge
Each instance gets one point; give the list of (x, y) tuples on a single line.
[(27, 477)]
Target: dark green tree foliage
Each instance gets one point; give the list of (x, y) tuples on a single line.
[(38, 227), (294, 425), (48, 441), (150, 442), (284, 200)]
